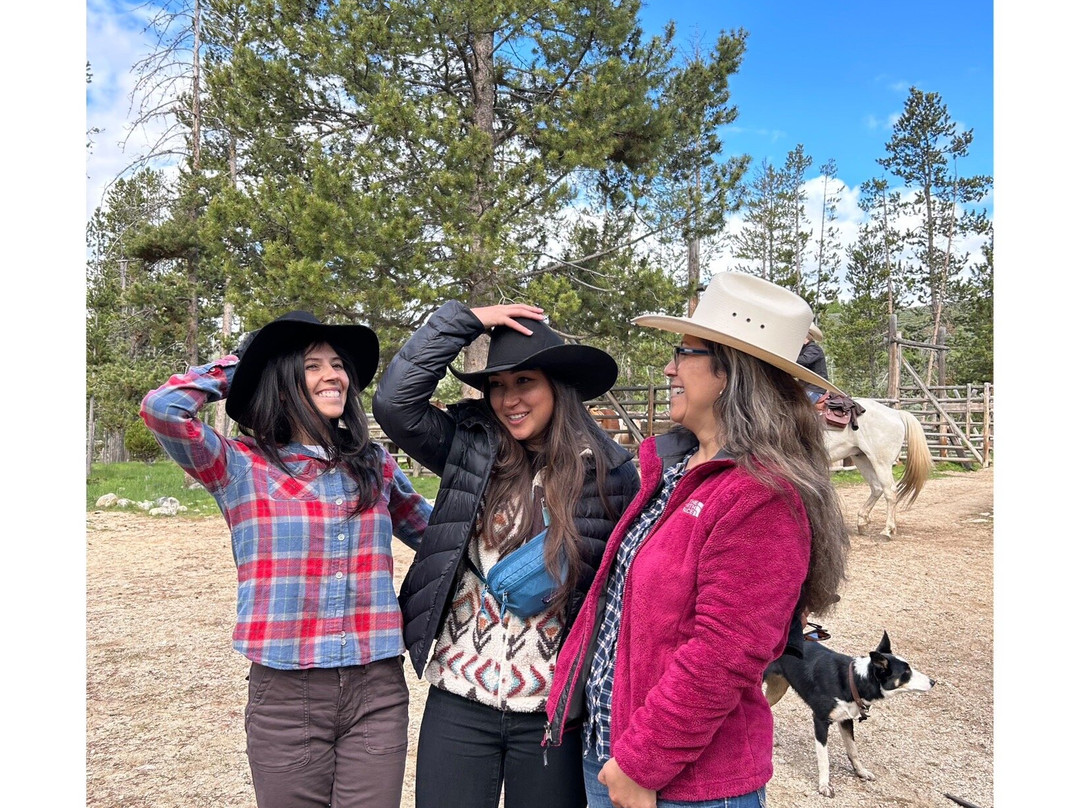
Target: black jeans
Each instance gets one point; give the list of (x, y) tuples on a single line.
[(468, 750)]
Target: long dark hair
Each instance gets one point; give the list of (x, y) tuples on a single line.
[(282, 407), (772, 430), (570, 431)]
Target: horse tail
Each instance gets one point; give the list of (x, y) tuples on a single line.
[(919, 462)]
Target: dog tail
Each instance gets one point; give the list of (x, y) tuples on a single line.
[(776, 685)]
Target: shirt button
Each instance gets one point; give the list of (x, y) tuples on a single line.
[(343, 640), (339, 500), (339, 575), (333, 471), (341, 537)]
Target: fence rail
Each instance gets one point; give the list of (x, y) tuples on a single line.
[(970, 408)]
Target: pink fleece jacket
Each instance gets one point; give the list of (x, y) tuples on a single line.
[(708, 603)]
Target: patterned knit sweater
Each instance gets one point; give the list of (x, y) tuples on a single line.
[(505, 662)]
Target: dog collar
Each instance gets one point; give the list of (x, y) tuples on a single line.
[(864, 708)]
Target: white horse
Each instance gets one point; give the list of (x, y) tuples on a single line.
[(874, 447)]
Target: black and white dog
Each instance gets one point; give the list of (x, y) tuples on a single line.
[(839, 689)]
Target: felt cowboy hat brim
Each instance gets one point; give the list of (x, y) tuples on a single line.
[(298, 329), (751, 315), (589, 370)]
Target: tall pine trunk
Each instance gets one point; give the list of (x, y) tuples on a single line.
[(482, 68)]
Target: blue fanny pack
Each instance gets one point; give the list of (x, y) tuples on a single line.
[(520, 582)]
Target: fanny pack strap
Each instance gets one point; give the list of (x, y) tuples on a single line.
[(487, 588), (476, 570)]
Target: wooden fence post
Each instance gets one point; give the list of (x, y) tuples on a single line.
[(968, 420), (894, 358), (650, 408), (89, 437)]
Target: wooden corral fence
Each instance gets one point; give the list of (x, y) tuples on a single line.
[(958, 420)]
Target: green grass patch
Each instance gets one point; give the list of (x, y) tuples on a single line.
[(427, 486), (148, 481), (851, 476)]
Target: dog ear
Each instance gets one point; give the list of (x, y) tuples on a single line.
[(879, 660), (883, 646)]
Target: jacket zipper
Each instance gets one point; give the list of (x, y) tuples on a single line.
[(572, 682)]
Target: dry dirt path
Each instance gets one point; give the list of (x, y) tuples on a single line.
[(165, 691)]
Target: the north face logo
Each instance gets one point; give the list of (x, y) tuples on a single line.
[(693, 507)]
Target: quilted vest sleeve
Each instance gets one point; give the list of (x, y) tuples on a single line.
[(402, 400)]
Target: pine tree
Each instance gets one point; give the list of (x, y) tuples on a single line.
[(389, 161), (924, 151), (797, 225), (820, 285), (135, 326), (971, 358), (761, 243)]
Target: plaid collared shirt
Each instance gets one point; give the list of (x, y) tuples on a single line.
[(315, 586), (597, 730)]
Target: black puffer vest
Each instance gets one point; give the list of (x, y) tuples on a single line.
[(459, 444)]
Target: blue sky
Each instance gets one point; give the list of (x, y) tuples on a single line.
[(834, 76)]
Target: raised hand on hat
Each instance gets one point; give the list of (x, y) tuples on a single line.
[(503, 314), (245, 341)]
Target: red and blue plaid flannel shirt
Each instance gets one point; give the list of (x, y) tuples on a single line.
[(315, 587)]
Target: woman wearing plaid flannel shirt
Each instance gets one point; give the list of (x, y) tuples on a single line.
[(312, 505)]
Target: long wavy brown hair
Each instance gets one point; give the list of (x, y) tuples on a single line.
[(771, 429), (570, 431)]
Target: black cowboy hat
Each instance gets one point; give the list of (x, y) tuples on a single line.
[(589, 370), (298, 329)]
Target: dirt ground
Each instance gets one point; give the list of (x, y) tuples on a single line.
[(165, 692)]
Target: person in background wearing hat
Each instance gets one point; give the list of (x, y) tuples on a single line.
[(812, 357), (736, 531), (311, 504), (524, 456)]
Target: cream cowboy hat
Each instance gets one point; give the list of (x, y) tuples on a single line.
[(751, 315), (815, 333)]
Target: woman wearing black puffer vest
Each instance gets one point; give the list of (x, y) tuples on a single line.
[(524, 458)]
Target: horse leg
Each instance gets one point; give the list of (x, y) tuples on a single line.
[(883, 471), (866, 469)]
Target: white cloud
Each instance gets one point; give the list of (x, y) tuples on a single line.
[(115, 41), (873, 122), (849, 216)]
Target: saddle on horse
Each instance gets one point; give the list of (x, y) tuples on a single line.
[(839, 411)]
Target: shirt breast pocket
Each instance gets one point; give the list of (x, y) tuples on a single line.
[(282, 486)]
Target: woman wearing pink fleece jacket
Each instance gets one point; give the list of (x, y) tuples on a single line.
[(736, 530)]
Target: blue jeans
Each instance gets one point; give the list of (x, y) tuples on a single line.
[(468, 752), (598, 794)]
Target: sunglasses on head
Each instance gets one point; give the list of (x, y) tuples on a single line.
[(815, 633)]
